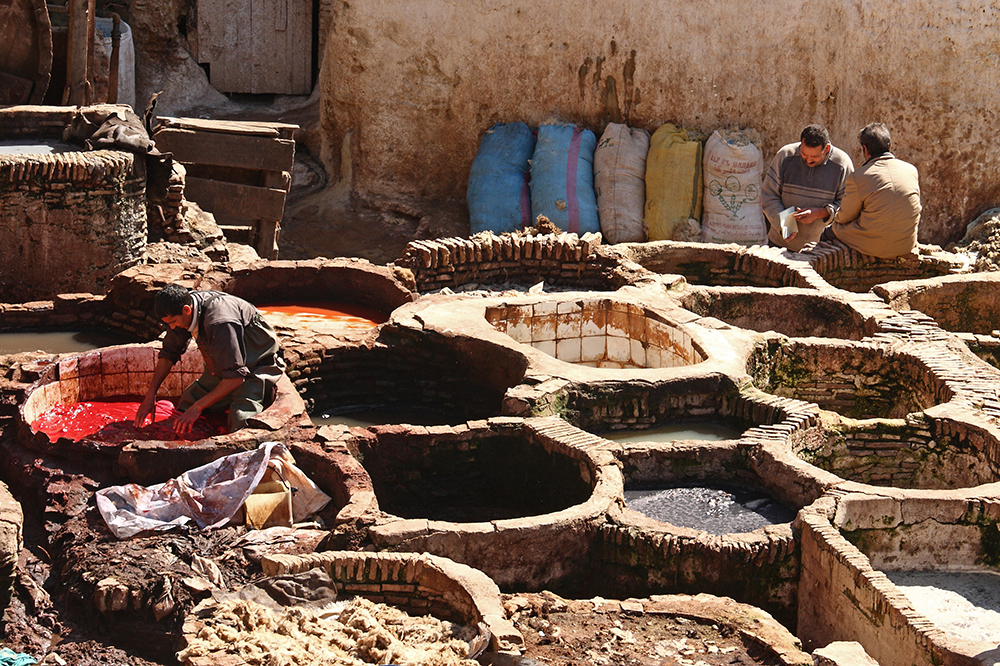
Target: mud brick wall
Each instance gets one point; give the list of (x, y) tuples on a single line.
[(758, 568), (69, 222), (565, 259), (848, 269), (84, 311)]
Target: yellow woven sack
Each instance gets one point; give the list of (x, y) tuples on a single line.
[(673, 182)]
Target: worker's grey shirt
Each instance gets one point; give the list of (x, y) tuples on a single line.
[(231, 334), (791, 182)]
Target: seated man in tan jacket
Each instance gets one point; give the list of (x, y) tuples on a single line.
[(881, 207)]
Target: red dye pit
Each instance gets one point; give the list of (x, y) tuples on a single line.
[(112, 421), (350, 317)]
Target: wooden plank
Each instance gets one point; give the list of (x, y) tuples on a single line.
[(265, 238), (236, 201), (229, 150), (238, 54), (254, 127), (299, 40), (260, 51), (76, 93)]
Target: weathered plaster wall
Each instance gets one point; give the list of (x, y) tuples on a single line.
[(415, 84)]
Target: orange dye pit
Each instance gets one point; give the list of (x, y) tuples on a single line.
[(350, 317)]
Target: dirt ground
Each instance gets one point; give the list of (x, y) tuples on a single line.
[(50, 614), (675, 630)]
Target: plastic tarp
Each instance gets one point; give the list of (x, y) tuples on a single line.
[(498, 196), (620, 182), (209, 496), (673, 182), (562, 178)]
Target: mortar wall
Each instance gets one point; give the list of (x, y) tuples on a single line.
[(927, 69)]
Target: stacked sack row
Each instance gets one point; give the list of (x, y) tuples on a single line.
[(629, 186)]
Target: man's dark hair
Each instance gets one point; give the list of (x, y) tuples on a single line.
[(875, 137), (170, 301), (815, 136)]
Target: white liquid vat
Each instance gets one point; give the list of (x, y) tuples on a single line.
[(706, 431), (372, 417), (35, 147)]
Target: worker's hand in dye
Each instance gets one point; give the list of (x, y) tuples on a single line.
[(146, 407), (185, 422)]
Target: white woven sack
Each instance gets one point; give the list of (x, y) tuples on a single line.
[(733, 169), (620, 182)]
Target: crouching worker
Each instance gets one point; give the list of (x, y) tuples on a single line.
[(240, 350)]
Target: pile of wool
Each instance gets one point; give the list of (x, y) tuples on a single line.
[(362, 633), (982, 241), (735, 136)]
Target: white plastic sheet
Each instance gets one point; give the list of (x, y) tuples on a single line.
[(209, 495)]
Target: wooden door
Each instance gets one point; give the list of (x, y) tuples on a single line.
[(256, 46)]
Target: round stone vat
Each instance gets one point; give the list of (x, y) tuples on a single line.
[(855, 380), (464, 478), (516, 498), (598, 332), (713, 467), (958, 303), (352, 283), (640, 555), (930, 450), (418, 583), (797, 313), (331, 282), (400, 374), (635, 406), (716, 265), (126, 371), (857, 538)]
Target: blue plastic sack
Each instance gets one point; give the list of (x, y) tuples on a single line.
[(562, 178), (498, 194)]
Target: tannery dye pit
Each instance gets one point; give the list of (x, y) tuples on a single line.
[(579, 434), (469, 447)]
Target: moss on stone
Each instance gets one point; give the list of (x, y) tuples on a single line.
[(990, 543)]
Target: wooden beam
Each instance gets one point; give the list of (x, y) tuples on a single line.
[(228, 150), (236, 201), (77, 91), (263, 128)]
